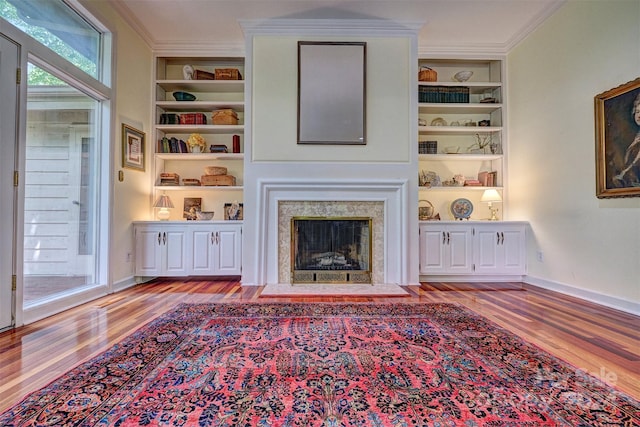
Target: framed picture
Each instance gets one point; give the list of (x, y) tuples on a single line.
[(232, 212), (132, 148), (192, 205), (617, 115), (331, 93)]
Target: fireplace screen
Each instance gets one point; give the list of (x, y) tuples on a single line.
[(330, 250)]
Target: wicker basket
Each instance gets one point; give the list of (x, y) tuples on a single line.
[(224, 180), (215, 170), (225, 117), (228, 74), (427, 74)]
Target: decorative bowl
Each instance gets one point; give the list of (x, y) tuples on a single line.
[(463, 76), (438, 121), (204, 216), (184, 96)]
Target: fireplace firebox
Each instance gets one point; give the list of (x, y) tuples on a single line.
[(331, 250)]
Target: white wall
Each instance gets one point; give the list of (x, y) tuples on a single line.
[(131, 198), (271, 150), (590, 247)]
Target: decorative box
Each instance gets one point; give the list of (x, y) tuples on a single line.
[(191, 182), (169, 178), (203, 75), (223, 180), (225, 116), (193, 119), (215, 170), (427, 74), (228, 74)]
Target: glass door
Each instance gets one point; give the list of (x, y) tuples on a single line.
[(61, 168), (9, 56)]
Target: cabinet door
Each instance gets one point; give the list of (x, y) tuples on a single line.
[(488, 251), (432, 250), (229, 250), (149, 249), (175, 249), (459, 249), (202, 248), (513, 246), (445, 250), (500, 249)]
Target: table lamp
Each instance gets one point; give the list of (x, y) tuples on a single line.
[(489, 196), (164, 203)]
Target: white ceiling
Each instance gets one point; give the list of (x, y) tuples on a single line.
[(452, 26)]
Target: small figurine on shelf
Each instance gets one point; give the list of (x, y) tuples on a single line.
[(482, 141), (196, 143)]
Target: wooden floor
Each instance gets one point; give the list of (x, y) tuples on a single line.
[(601, 341)]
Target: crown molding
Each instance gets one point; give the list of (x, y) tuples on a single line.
[(533, 25), (330, 27), (125, 13)]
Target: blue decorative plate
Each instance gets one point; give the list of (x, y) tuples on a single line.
[(461, 208)]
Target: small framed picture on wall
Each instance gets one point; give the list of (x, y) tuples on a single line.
[(132, 148)]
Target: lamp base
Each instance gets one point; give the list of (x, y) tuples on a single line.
[(164, 214), (493, 216)]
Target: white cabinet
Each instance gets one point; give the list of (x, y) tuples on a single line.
[(188, 248), (457, 249), (445, 249), (499, 249), (216, 250), (455, 120), (175, 121), (161, 250)]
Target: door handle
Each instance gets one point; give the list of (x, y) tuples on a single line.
[(444, 238), (501, 238), (164, 237), (497, 238), (448, 237), (159, 237), (217, 238), (212, 238)]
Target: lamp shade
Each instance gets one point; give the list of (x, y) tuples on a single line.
[(163, 202), (491, 195)]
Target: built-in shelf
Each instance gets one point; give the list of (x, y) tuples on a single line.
[(200, 156), (199, 187), (202, 85)]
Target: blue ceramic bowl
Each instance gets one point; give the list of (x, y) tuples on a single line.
[(184, 96)]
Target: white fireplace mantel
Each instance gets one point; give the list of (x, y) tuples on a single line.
[(392, 193)]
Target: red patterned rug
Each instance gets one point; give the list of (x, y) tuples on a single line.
[(329, 365)]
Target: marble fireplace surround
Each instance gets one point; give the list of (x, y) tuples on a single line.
[(383, 200)]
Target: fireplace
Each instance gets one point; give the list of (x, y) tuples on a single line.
[(331, 249)]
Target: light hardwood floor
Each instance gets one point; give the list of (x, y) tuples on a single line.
[(596, 339)]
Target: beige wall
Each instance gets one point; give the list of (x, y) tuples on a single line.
[(589, 245), (275, 89), (131, 198)]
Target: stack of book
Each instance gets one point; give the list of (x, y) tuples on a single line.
[(218, 148), (488, 179), (169, 178), (443, 94), (173, 145)]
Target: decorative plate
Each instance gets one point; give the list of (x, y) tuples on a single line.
[(461, 208)]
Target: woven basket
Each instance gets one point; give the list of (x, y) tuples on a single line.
[(427, 74), (225, 117), (215, 170)]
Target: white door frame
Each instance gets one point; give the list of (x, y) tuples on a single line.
[(9, 108)]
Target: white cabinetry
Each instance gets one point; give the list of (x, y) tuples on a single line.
[(160, 250), (210, 95), (185, 248), (452, 250), (456, 115), (445, 249), (216, 250), (499, 249)]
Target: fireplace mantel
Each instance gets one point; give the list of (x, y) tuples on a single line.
[(392, 194)]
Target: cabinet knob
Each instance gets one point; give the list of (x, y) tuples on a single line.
[(497, 237), (159, 237), (212, 238), (164, 237)]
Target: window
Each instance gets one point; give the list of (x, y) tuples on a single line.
[(57, 26)]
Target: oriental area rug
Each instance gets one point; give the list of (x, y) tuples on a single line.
[(325, 364)]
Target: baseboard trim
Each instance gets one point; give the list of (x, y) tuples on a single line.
[(472, 278), (123, 284), (595, 297)]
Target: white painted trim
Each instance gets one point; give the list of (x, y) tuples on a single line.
[(585, 294), (330, 27), (470, 278), (394, 194), (61, 303), (126, 283)]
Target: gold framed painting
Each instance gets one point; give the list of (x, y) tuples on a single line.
[(617, 117), (133, 143)]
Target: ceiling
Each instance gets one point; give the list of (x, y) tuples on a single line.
[(452, 26)]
